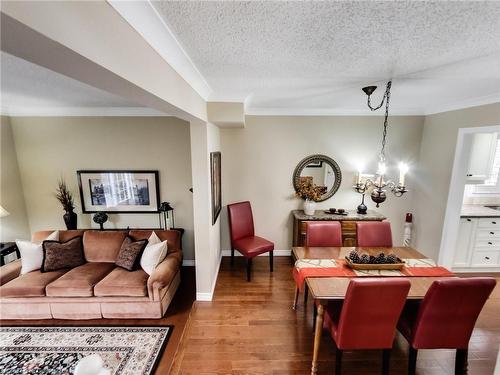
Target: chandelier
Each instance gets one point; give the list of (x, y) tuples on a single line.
[(379, 185)]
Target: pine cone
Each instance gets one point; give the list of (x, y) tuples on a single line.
[(380, 258), (354, 256), (364, 258), (392, 258)]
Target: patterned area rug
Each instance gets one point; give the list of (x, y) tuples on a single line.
[(57, 350)]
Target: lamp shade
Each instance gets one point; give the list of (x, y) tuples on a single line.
[(3, 212)]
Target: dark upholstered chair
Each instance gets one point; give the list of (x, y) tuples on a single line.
[(367, 319), (373, 234), (445, 318), (320, 234), (243, 237)]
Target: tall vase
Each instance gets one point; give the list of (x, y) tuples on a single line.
[(309, 207), (70, 219)]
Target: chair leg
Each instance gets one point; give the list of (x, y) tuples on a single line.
[(271, 260), (412, 361), (295, 298), (249, 269), (306, 292), (232, 257), (461, 362), (386, 356), (338, 360)]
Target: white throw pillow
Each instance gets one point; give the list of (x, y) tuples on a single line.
[(32, 253), (153, 254)]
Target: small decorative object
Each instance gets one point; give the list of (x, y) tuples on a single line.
[(64, 196), (215, 174), (364, 261), (407, 230), (362, 209), (168, 219), (310, 193), (341, 211), (378, 185), (100, 218), (119, 191)]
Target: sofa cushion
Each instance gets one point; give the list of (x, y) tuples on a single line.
[(121, 282), (102, 246), (31, 284), (172, 236), (64, 235), (130, 253), (80, 281), (58, 255)]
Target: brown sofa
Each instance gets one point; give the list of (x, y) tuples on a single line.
[(97, 289)]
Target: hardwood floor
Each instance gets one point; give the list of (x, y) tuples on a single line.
[(177, 315), (250, 328)]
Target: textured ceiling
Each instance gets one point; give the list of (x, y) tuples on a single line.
[(317, 55), (31, 89)]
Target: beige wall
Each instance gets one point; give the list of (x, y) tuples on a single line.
[(15, 226), (258, 162), (51, 147), (437, 152)]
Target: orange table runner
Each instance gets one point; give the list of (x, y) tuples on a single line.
[(339, 268)]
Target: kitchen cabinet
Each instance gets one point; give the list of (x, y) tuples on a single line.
[(478, 245), (482, 155)]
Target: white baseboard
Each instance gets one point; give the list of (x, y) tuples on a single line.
[(209, 296), (276, 253), (188, 262)]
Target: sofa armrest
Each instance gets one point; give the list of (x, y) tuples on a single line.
[(10, 271), (163, 274)]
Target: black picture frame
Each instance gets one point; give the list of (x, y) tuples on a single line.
[(215, 174), (87, 198)]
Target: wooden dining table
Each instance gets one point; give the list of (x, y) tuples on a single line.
[(325, 289)]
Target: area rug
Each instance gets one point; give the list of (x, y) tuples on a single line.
[(57, 350)]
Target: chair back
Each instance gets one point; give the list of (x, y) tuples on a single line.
[(323, 233), (449, 312), (374, 233), (240, 220), (371, 310)]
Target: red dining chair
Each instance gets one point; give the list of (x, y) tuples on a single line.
[(367, 319), (243, 238), (373, 234), (445, 318), (321, 234)]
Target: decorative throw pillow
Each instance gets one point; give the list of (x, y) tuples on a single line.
[(130, 253), (58, 255), (153, 254), (32, 253)]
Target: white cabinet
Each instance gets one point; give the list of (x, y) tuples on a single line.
[(478, 245), (482, 155)]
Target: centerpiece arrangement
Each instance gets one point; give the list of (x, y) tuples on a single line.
[(364, 261), (311, 193)]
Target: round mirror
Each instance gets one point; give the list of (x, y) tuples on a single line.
[(321, 172)]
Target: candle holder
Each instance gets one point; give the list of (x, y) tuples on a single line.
[(378, 193)]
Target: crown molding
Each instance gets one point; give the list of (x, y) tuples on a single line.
[(463, 104), (146, 20), (283, 111), (81, 112)]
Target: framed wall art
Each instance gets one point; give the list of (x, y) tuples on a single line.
[(120, 191), (215, 171)]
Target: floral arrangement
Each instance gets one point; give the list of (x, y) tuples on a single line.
[(64, 196), (308, 191)]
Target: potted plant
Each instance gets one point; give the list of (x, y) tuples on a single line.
[(64, 196), (310, 193)]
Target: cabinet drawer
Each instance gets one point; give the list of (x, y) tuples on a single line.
[(485, 258), (487, 244), (487, 234), (490, 222)]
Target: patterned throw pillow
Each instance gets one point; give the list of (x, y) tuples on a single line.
[(58, 255), (130, 253)]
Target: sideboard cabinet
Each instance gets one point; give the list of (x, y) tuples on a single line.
[(348, 223)]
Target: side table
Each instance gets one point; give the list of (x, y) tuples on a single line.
[(7, 248)]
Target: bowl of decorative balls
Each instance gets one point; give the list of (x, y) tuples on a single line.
[(363, 261)]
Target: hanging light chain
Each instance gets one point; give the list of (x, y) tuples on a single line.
[(387, 97)]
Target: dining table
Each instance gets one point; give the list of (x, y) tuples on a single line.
[(326, 289)]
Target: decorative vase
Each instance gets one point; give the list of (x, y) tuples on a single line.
[(309, 207), (70, 219)]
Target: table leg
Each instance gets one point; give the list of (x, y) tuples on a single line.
[(294, 306), (317, 339)]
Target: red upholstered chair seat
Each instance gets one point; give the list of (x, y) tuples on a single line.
[(253, 246)]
